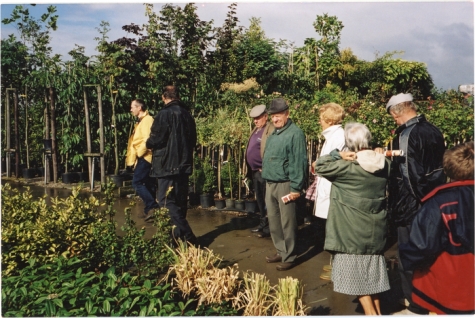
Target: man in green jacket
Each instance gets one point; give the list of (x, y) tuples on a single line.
[(285, 169)]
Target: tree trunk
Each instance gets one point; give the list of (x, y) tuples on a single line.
[(88, 135), (116, 142), (17, 135), (101, 135), (54, 152), (47, 136)]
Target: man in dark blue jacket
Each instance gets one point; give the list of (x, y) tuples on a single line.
[(413, 175), (439, 245), (172, 139)]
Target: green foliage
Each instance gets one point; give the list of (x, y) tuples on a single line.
[(33, 229), (230, 173), (176, 47), (204, 176), (75, 227), (62, 288)]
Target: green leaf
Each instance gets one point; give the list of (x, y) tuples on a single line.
[(106, 306)]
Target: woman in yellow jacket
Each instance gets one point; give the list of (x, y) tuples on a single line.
[(139, 157)]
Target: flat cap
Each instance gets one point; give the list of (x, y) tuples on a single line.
[(398, 99), (258, 110), (278, 105)]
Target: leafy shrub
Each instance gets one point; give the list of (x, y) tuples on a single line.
[(78, 227), (33, 229), (63, 289)]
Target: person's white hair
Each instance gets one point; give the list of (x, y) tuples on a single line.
[(357, 136)]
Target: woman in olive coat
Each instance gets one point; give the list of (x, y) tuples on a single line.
[(356, 225)]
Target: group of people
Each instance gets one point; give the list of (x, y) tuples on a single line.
[(357, 188), (160, 151)]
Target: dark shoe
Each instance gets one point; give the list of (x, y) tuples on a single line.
[(285, 266), (141, 215), (263, 234), (274, 258), (149, 218), (256, 230)]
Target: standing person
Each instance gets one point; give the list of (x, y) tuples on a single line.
[(172, 139), (357, 219), (254, 153), (439, 245), (140, 158), (413, 175), (285, 168), (331, 117)]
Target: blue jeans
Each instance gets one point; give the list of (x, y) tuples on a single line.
[(144, 185)]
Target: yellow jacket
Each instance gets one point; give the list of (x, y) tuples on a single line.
[(136, 146)]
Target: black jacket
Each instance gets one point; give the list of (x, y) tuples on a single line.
[(172, 139), (416, 173)]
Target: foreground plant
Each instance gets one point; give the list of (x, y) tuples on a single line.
[(288, 298), (220, 284), (190, 264), (63, 289), (255, 298)]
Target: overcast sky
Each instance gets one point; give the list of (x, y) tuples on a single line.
[(439, 34)]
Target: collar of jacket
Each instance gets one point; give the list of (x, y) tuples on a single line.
[(287, 125), (171, 103), (139, 118), (446, 186), (329, 131), (410, 122), (262, 128)]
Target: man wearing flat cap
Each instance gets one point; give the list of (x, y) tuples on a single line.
[(413, 175), (285, 169), (254, 153)]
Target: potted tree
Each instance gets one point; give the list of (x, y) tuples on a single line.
[(209, 180)]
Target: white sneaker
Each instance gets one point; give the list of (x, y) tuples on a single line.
[(404, 312)]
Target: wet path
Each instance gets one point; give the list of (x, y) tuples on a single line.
[(227, 234)]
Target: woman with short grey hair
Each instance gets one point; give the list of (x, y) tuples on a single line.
[(356, 225)]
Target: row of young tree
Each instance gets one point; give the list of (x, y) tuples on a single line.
[(222, 72)]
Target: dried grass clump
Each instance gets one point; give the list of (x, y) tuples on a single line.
[(191, 263), (256, 298), (248, 84), (288, 298), (220, 284), (196, 274)]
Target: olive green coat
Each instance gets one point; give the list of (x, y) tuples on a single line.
[(357, 218)]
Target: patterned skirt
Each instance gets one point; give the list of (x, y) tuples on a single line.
[(359, 274)]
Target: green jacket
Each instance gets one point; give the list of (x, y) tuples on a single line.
[(357, 218), (285, 157)]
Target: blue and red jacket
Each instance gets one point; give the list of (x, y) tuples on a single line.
[(440, 250)]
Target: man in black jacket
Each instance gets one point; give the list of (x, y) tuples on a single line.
[(172, 139), (413, 175)]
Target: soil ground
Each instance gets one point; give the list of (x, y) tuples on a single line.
[(227, 233)]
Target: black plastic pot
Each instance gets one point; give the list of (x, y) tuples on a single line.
[(239, 205), (82, 176), (28, 173), (117, 179), (220, 203), (70, 177), (230, 204), (250, 206), (205, 200)]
